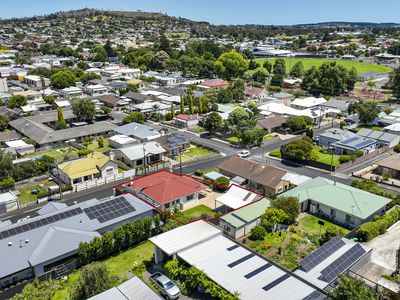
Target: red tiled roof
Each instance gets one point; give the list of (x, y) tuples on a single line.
[(165, 186), (186, 117), (215, 82)]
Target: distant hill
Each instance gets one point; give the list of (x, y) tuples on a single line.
[(348, 24)]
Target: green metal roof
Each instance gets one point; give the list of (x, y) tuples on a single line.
[(339, 196), (245, 215)]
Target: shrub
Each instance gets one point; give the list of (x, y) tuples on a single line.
[(221, 183), (358, 153), (7, 183), (257, 233), (396, 148), (83, 152), (276, 153), (198, 172), (344, 159)]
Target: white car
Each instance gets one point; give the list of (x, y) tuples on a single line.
[(243, 154)]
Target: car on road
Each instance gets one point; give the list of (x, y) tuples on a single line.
[(166, 286), (243, 153)]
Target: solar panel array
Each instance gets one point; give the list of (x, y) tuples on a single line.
[(321, 253), (109, 210), (342, 263), (350, 140), (276, 282), (39, 223), (176, 141), (239, 261), (363, 143)]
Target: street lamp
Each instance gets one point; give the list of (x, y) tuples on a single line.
[(331, 150), (58, 178)]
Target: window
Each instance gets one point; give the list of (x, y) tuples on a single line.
[(333, 213), (349, 219), (227, 228), (139, 162), (109, 171), (190, 197)]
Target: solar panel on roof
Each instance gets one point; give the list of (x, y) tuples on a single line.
[(233, 247), (257, 271), (350, 140), (276, 282), (363, 143), (109, 210), (322, 253), (342, 263), (239, 261)]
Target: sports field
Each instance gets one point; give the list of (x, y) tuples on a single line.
[(309, 62)]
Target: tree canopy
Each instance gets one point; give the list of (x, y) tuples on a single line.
[(63, 79), (84, 110), (231, 64), (136, 117)]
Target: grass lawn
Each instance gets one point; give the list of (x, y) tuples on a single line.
[(196, 152), (184, 158), (195, 213), (94, 146), (57, 154), (326, 158), (233, 139), (211, 170), (118, 265), (288, 248), (268, 137), (310, 62), (25, 190), (378, 128), (275, 153)]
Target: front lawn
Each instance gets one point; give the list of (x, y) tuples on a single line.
[(378, 128), (197, 152), (325, 158), (289, 248), (118, 265), (233, 139), (25, 190), (211, 170), (268, 137)]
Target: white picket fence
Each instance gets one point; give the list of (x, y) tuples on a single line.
[(100, 181)]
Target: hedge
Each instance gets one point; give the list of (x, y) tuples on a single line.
[(378, 226)]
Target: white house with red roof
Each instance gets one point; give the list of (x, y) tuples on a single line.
[(215, 84), (165, 189), (186, 120)]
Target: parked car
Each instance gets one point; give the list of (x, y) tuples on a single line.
[(243, 153), (166, 286), (35, 191)]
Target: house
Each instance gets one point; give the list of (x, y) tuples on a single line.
[(185, 121), (390, 166), (132, 289), (91, 167), (236, 197), (138, 131), (116, 86), (251, 92), (8, 202), (383, 138), (239, 223), (306, 103), (393, 128), (71, 92), (386, 58), (30, 95), (36, 82), (335, 106), (340, 203), (229, 264), (323, 266), (333, 135), (64, 104), (215, 84), (355, 143), (140, 155), (3, 85), (7, 136), (283, 97), (392, 118), (165, 189), (121, 141), (291, 82), (258, 176), (109, 100), (96, 90), (271, 124), (368, 76), (173, 143), (21, 147), (43, 243), (137, 97)]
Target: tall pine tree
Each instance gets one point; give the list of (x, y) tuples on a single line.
[(182, 105)]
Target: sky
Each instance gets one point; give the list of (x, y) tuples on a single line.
[(267, 12)]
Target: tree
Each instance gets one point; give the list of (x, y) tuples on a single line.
[(257, 233), (240, 118), (84, 110), (279, 67), (368, 111), (213, 122), (137, 117), (4, 122), (93, 279), (6, 165), (231, 64), (200, 108), (277, 80), (60, 124), (100, 141), (299, 150), (295, 123), (225, 96), (297, 70), (172, 109), (268, 66), (49, 99), (63, 79), (190, 101), (310, 132), (394, 82), (352, 289), (17, 101), (290, 205), (38, 290), (271, 217), (182, 105), (221, 183)]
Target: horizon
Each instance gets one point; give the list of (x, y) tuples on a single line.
[(237, 13)]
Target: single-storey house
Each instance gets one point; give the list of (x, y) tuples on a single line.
[(390, 166), (121, 141), (91, 167), (355, 143), (251, 92), (260, 177), (138, 131), (72, 92), (271, 124), (165, 189), (383, 138), (7, 136), (236, 197), (333, 135), (240, 222), (186, 120), (340, 203), (307, 102), (8, 202), (109, 100), (137, 97), (335, 106), (393, 128), (21, 147), (215, 84), (173, 143), (141, 154), (368, 76)]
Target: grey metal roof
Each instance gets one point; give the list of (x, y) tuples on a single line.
[(354, 143), (136, 151), (337, 134), (335, 103), (45, 244), (137, 130), (52, 207), (378, 135)]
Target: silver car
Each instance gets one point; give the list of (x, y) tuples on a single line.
[(167, 287)]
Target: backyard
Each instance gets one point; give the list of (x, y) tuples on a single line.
[(378, 128), (57, 154), (94, 146), (118, 265), (289, 248), (25, 190), (361, 67), (195, 213)]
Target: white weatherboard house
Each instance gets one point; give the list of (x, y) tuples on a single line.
[(227, 263)]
